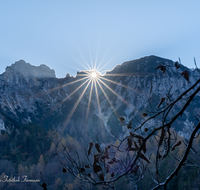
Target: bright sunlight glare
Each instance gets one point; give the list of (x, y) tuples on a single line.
[(93, 74)]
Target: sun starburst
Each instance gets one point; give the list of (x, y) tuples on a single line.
[(93, 74), (92, 77)]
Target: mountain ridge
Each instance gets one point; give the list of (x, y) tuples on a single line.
[(40, 99)]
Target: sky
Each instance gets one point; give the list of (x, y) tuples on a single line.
[(65, 34)]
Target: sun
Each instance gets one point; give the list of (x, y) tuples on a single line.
[(94, 74)]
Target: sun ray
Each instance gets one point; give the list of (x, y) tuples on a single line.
[(122, 99), (118, 84), (56, 107), (89, 101), (73, 82), (95, 63), (83, 75), (83, 65), (75, 106), (98, 103), (85, 61), (126, 74), (80, 63), (74, 91), (104, 71), (90, 57), (83, 58), (108, 62), (76, 68), (108, 99), (103, 59)]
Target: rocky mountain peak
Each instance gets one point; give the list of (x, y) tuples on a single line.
[(28, 70), (143, 65)]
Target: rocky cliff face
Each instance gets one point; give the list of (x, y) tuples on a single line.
[(34, 94), (145, 83), (20, 86), (27, 71)]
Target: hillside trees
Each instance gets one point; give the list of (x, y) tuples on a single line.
[(144, 157)]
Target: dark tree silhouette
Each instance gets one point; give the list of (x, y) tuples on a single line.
[(131, 155)]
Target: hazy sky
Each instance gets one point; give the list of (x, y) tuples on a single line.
[(65, 34)]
